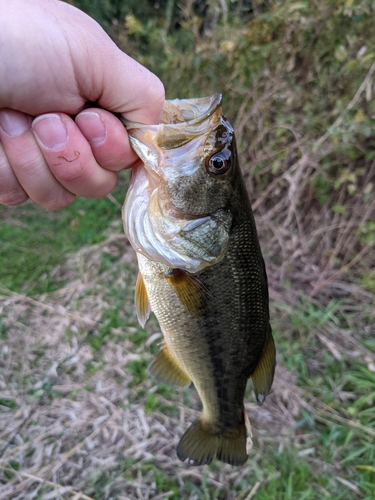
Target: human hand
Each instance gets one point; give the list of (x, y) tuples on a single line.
[(55, 59)]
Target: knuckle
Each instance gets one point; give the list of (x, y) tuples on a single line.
[(113, 161), (155, 90), (102, 187), (70, 171), (53, 199), (85, 177), (23, 157), (63, 200), (106, 187), (13, 198), (31, 161), (11, 193)]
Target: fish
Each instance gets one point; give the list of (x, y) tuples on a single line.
[(188, 216)]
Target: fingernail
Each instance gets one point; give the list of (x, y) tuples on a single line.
[(13, 122), (50, 131), (92, 127)]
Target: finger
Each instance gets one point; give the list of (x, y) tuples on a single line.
[(108, 139), (70, 158), (27, 162), (11, 191)]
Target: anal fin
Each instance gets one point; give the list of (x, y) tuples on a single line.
[(192, 293), (165, 368), (142, 303), (262, 377)]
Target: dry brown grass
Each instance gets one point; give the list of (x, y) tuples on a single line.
[(70, 425)]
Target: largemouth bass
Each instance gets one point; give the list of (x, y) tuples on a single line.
[(187, 214)]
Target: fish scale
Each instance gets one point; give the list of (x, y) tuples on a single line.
[(211, 297)]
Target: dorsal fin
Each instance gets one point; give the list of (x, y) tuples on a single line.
[(192, 293)]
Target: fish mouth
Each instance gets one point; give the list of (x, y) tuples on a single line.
[(182, 121), (175, 146), (193, 111)]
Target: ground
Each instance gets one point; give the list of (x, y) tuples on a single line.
[(81, 418)]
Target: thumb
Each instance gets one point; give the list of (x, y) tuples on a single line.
[(110, 77), (130, 89)]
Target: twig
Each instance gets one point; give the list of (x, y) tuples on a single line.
[(114, 201), (348, 484), (254, 489)]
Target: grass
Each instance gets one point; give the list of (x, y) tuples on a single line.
[(33, 241), (80, 412), (339, 391)]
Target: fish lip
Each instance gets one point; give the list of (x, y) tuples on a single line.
[(214, 103)]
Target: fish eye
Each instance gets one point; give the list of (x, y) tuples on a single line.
[(218, 163)]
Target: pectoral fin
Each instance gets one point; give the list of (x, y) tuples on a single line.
[(262, 377), (192, 293), (165, 368), (142, 303)]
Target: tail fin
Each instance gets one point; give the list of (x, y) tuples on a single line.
[(200, 446)]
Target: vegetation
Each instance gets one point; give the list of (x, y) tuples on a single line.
[(78, 412)]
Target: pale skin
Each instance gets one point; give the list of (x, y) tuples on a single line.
[(54, 59)]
